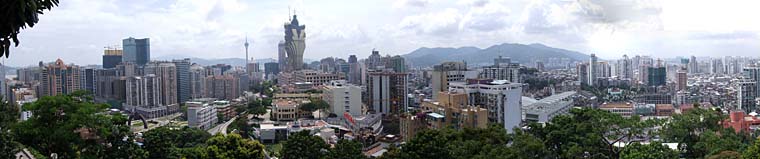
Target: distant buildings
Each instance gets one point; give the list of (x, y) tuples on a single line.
[(222, 87), (448, 72), (593, 70), (59, 78), (656, 76), (502, 69), (544, 110), (183, 79), (746, 92), (681, 79), (111, 57), (136, 50)]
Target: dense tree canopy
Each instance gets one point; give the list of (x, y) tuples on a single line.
[(648, 151), (303, 145), (346, 149), (161, 142)]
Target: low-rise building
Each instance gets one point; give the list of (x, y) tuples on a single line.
[(201, 115), (664, 109), (225, 109), (623, 109), (544, 110), (288, 110)]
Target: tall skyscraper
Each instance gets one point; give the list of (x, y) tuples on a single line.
[(354, 71), (183, 79), (271, 69), (593, 70), (656, 76), (197, 81), (375, 60), (582, 71), (693, 65), (386, 92), (625, 68), (59, 78), (397, 63), (717, 67), (111, 57), (681, 80), (166, 74), (222, 87), (752, 73), (295, 44), (87, 79), (136, 50), (746, 93)]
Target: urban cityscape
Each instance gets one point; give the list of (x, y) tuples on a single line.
[(504, 100)]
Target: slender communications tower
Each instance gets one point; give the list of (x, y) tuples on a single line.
[(246, 53)]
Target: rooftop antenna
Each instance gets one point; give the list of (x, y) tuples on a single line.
[(289, 13)]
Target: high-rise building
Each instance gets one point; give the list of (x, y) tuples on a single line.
[(693, 65), (746, 93), (502, 99), (183, 79), (295, 44), (87, 79), (656, 76), (271, 68), (396, 63), (197, 81), (343, 97), (582, 71), (354, 71), (327, 65), (448, 72), (282, 57), (386, 92), (166, 74), (105, 83), (717, 67), (253, 67), (502, 69), (681, 80), (625, 68), (136, 50), (375, 60), (593, 70), (222, 87), (111, 57), (752, 73), (147, 95), (59, 78)]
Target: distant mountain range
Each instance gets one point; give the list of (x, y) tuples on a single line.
[(524, 54)]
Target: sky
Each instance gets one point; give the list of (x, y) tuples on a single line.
[(78, 30)]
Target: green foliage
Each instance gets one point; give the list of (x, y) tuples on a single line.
[(8, 147), (161, 142), (75, 128), (314, 104), (753, 151), (698, 132), (233, 146), (346, 149), (726, 155), (303, 145), (17, 15), (467, 143), (241, 124), (9, 114), (649, 151), (257, 108)]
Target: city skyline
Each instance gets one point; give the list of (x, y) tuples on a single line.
[(214, 29)]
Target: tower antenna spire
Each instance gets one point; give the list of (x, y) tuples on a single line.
[(289, 14)]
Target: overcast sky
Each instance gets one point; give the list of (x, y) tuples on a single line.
[(77, 30)]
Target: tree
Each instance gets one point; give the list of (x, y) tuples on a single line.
[(726, 155), (9, 114), (72, 128), (257, 108), (346, 149), (653, 150), (17, 15), (8, 146), (690, 128), (162, 141), (753, 151), (233, 146), (303, 145), (241, 124)]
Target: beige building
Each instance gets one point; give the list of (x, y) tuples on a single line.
[(451, 110), (343, 98), (287, 110), (623, 109), (222, 87)]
